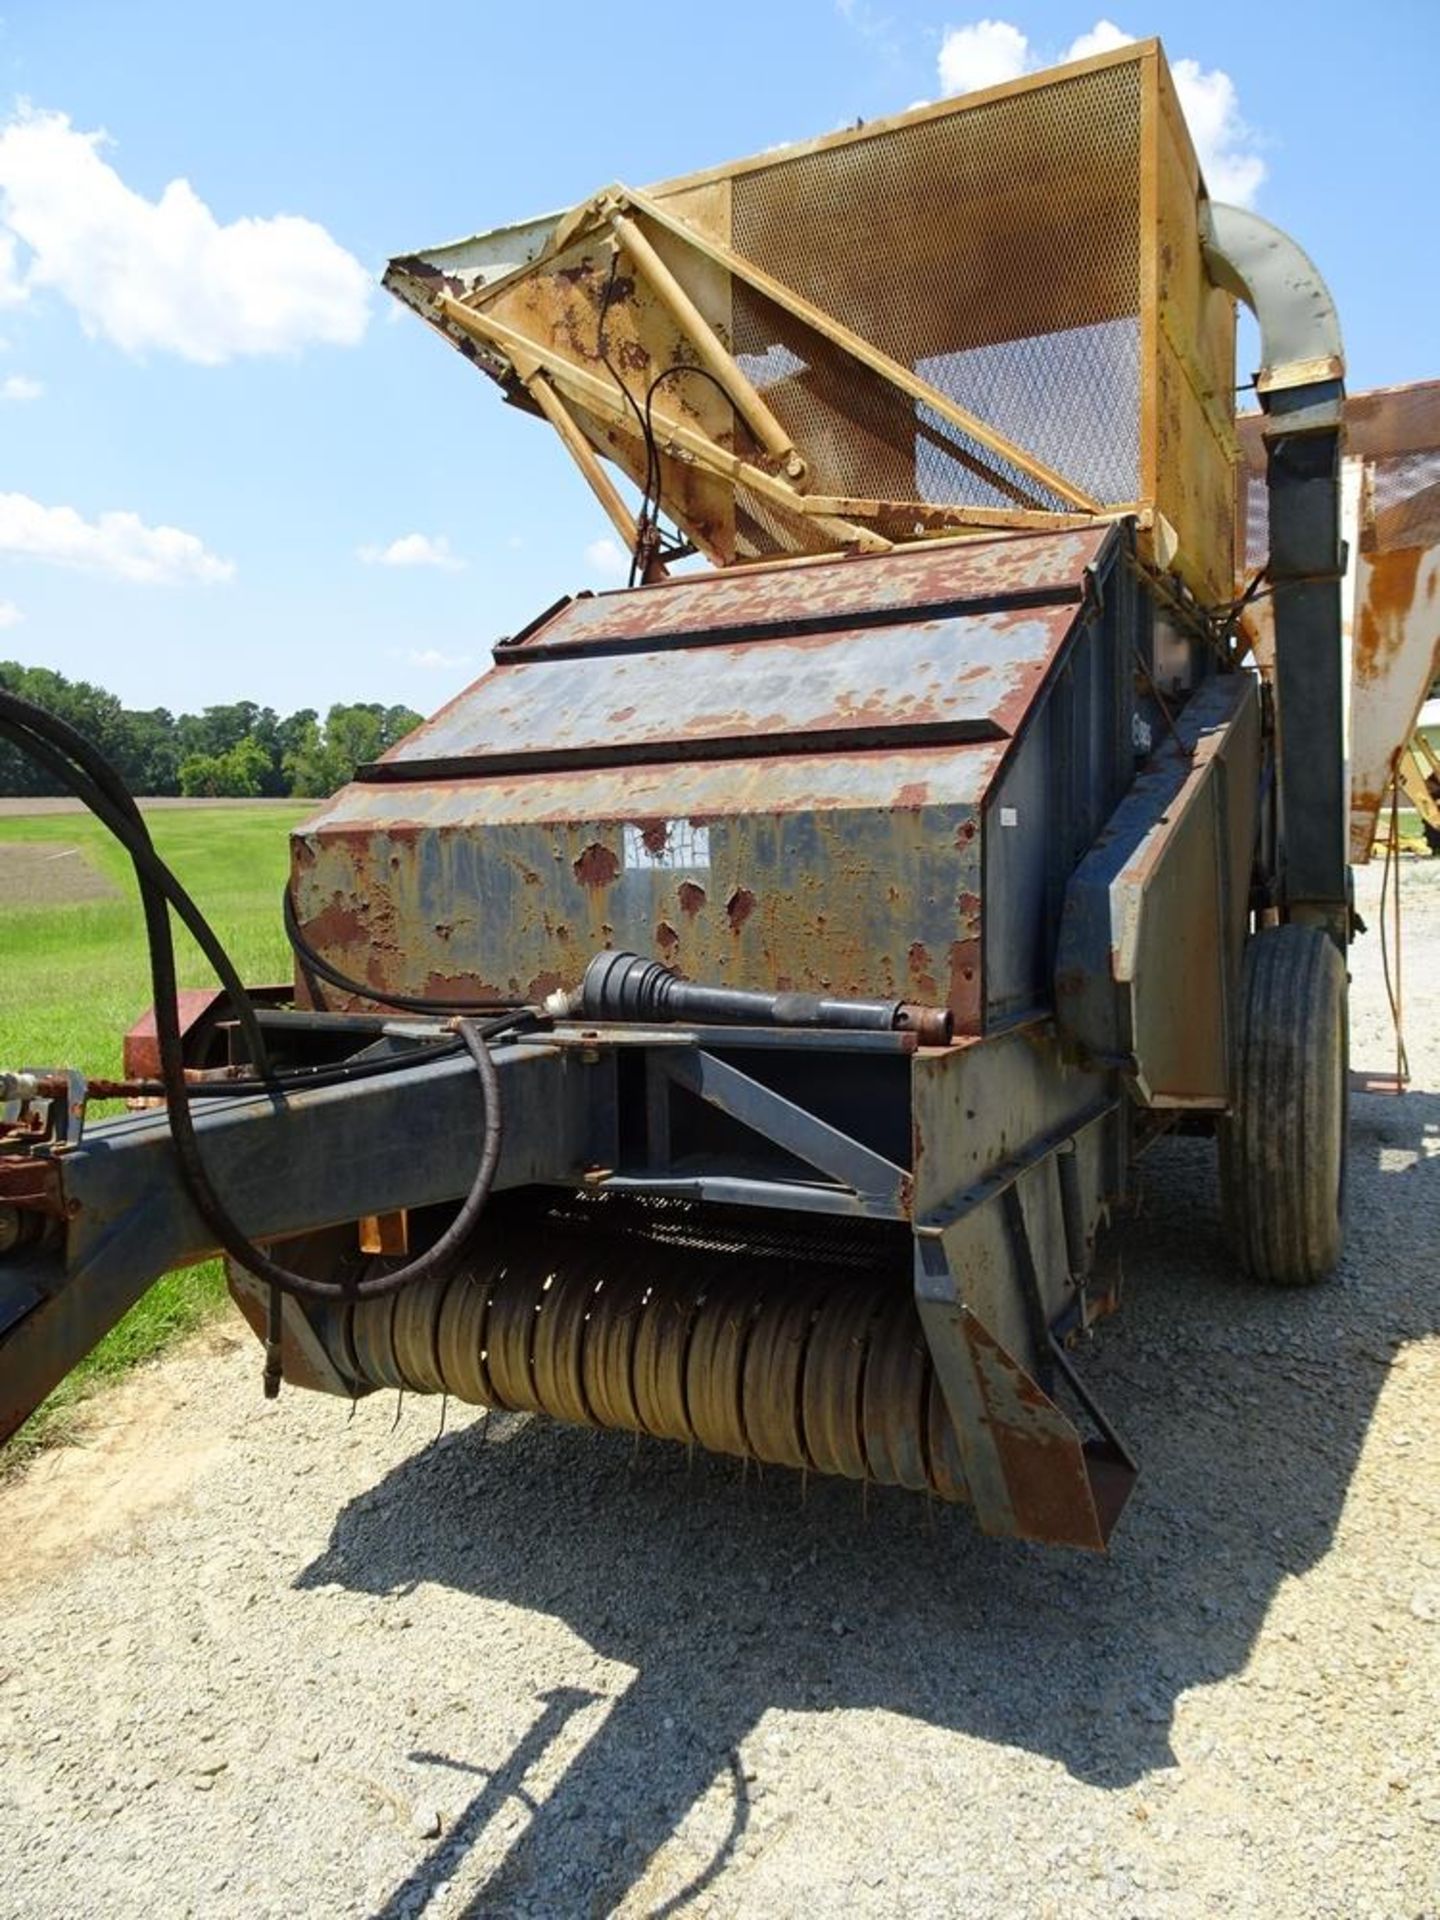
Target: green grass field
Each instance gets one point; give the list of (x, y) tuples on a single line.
[(74, 976)]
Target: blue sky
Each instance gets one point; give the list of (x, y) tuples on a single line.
[(284, 420)]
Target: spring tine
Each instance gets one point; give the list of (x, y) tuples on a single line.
[(804, 1361)]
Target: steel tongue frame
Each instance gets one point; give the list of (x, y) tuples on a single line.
[(605, 1109)]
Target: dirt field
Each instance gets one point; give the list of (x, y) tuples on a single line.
[(14, 809), (46, 876), (264, 1659)]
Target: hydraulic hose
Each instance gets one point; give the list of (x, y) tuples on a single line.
[(56, 745), (94, 781), (316, 963)]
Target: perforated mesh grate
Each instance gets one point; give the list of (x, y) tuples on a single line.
[(1400, 502), (1002, 266), (1254, 528), (1405, 503)]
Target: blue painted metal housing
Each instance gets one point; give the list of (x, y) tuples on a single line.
[(859, 776)]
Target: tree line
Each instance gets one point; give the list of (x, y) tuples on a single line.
[(241, 751)]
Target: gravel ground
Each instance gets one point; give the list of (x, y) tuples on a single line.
[(263, 1659)]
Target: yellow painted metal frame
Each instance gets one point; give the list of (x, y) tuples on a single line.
[(674, 244)]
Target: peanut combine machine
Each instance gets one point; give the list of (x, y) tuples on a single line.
[(734, 1017)]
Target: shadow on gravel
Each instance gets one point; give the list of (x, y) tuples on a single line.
[(732, 1596)]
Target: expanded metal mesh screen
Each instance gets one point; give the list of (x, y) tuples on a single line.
[(997, 256), (1395, 435), (1405, 500), (1253, 532)]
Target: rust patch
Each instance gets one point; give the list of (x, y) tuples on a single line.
[(666, 939), (337, 925), (921, 971), (621, 715), (968, 907), (654, 834), (692, 898), (596, 866), (963, 998), (739, 907), (914, 793), (458, 986), (544, 983), (1389, 598), (964, 833)]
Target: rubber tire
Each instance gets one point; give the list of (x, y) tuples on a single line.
[(1432, 836), (1282, 1149)]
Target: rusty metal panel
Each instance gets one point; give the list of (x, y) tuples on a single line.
[(141, 1050), (975, 1105), (1397, 656), (966, 678), (626, 674), (794, 807), (948, 574), (841, 875), (1154, 917)]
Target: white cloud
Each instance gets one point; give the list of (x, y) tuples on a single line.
[(1233, 171), (10, 614), (989, 51), (1103, 37), (608, 558), (164, 273), (115, 543), (12, 287), (432, 660), (19, 386), (982, 55), (413, 550)]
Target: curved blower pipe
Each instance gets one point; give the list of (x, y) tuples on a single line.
[(1301, 389), (625, 986)]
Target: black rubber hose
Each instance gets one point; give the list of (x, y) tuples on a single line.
[(47, 728), (408, 1003), (435, 1260), (114, 807), (205, 937)]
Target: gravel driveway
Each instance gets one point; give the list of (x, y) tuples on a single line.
[(267, 1659)]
